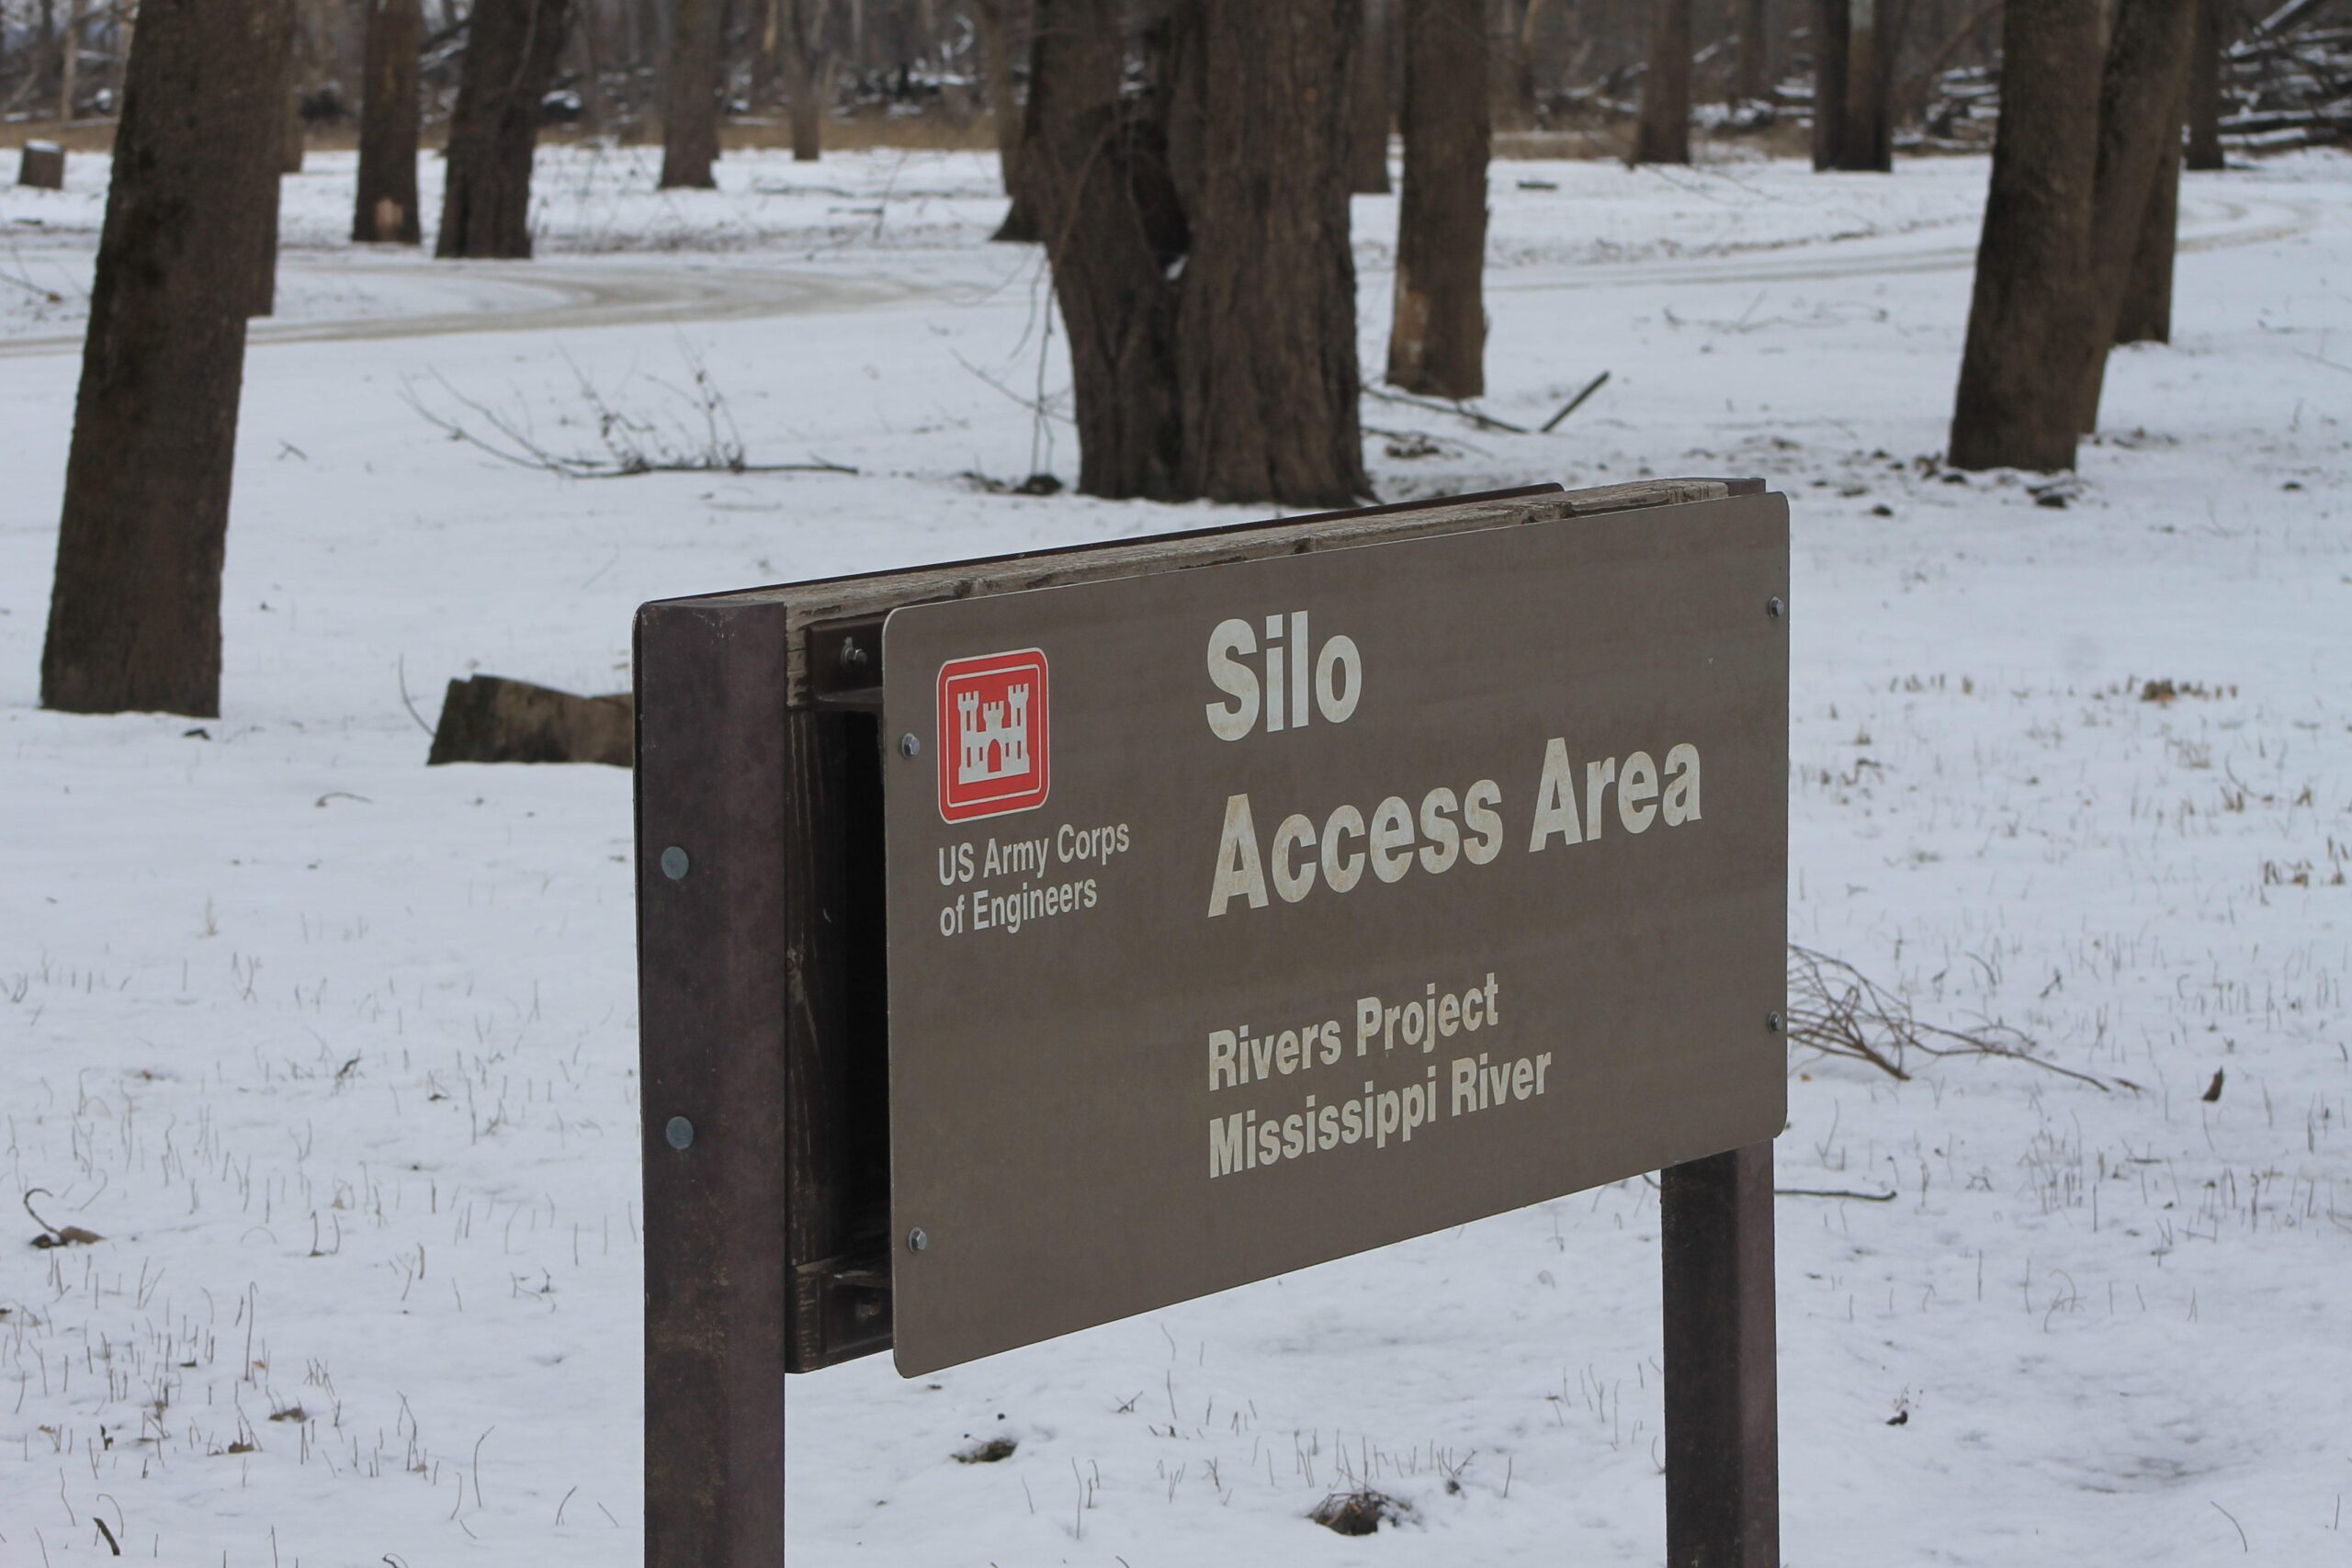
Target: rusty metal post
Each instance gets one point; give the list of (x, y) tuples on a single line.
[(1722, 1439), (713, 806)]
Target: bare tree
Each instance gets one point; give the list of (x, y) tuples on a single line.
[(386, 209), (992, 20), (1437, 337), (1368, 172), (1867, 142), (69, 60), (2205, 87), (1856, 44), (1662, 135), (511, 52), (1198, 233), (588, 61), (1021, 225), (2145, 313), (2142, 87), (2017, 403), (1094, 172), (274, 64), (134, 619), (1752, 80), (1831, 48), (305, 53), (1515, 28), (690, 83), (808, 72), (1266, 338)]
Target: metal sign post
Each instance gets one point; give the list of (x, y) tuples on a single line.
[(1029, 944)]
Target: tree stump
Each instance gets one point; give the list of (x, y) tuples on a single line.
[(42, 167), (487, 718)]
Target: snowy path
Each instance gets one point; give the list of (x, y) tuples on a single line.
[(338, 1053), (2207, 225), (375, 296), (435, 299)]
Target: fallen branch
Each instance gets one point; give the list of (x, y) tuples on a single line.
[(1459, 411), (1832, 1192), (633, 443), (400, 673), (1575, 402), (1836, 1010)]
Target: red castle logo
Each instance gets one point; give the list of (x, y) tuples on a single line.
[(994, 751)]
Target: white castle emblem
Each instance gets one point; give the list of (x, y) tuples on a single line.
[(988, 746)]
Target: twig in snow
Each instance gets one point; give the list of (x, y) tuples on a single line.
[(1575, 402), (1459, 411), (2244, 1545), (705, 440), (1837, 1010), (400, 668), (1039, 405), (48, 295), (1832, 1192)]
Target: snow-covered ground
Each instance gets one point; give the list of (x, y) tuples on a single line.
[(338, 1053)]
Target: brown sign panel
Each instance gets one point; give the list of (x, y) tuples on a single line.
[(1247, 916)]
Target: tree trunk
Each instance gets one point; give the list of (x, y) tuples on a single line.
[(1754, 82), (2146, 315), (806, 70), (134, 619), (690, 96), (1094, 172), (295, 145), (1437, 340), (1663, 133), (2017, 405), (1022, 224), (1866, 143), (2205, 89), (1368, 171), (645, 25), (2141, 90), (766, 29), (1266, 332), (1831, 27), (1526, 92), (69, 60), (386, 210), (588, 59), (511, 55), (996, 68), (277, 65), (45, 49)]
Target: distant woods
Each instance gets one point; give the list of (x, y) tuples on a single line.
[(1852, 79), (1185, 166)]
